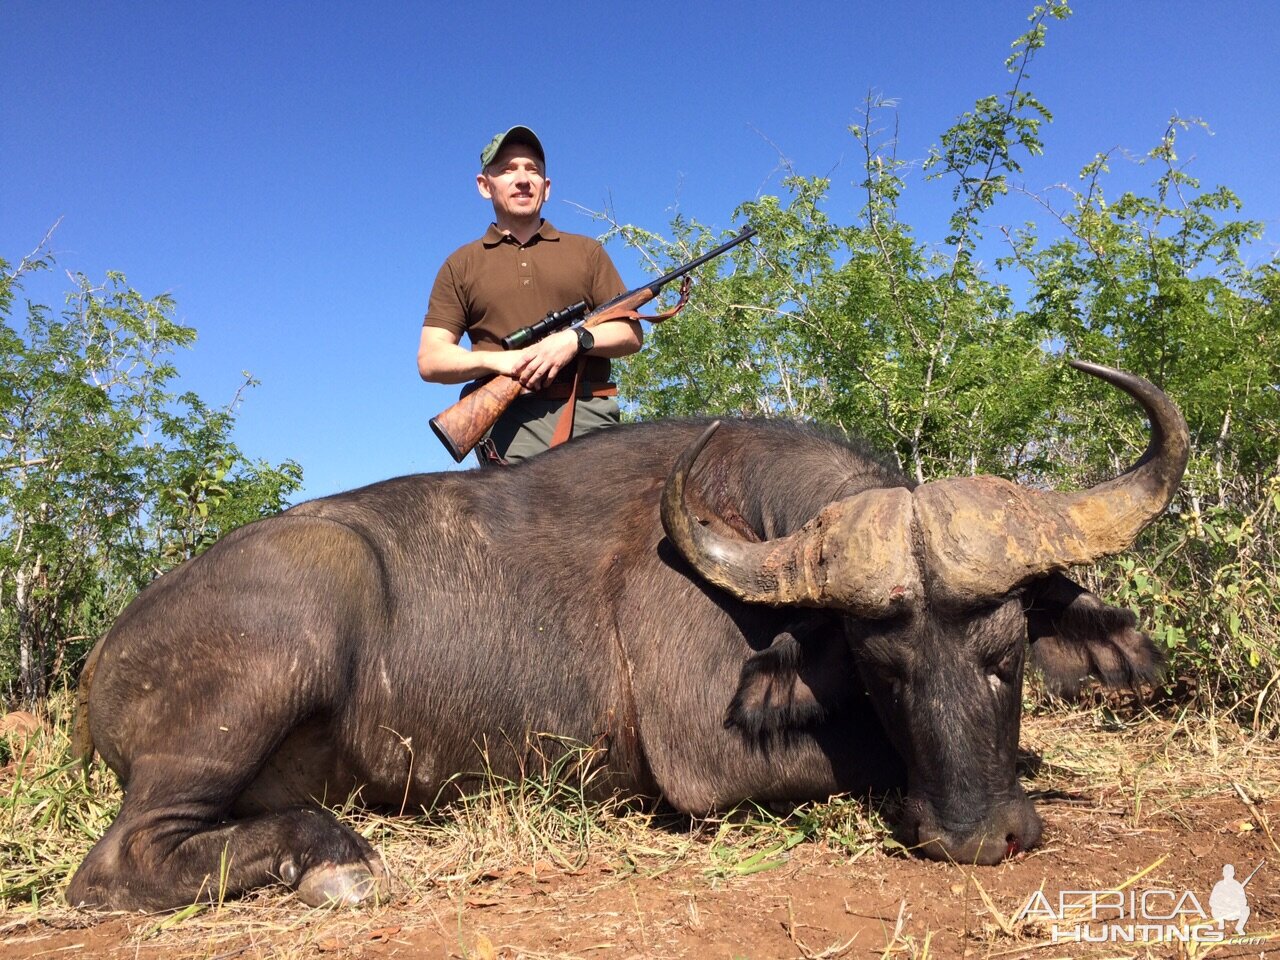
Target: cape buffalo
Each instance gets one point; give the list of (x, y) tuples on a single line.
[(778, 616)]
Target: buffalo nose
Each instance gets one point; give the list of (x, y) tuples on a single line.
[(1009, 829)]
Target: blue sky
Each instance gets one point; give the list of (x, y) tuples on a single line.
[(294, 174)]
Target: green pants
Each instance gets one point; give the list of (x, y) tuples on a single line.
[(528, 425)]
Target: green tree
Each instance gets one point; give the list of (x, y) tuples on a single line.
[(104, 480), (864, 326), (1157, 283)]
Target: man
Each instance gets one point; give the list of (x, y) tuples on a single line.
[(518, 272)]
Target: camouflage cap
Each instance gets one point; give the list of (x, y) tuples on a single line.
[(517, 134)]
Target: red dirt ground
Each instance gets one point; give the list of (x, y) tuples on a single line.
[(816, 905)]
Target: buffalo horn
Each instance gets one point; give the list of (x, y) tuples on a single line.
[(980, 537), (855, 554), (984, 536)]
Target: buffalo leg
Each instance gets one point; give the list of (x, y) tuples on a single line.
[(169, 847), (199, 684)]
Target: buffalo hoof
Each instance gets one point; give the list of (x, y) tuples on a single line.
[(348, 885)]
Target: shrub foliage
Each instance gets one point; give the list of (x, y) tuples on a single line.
[(107, 477)]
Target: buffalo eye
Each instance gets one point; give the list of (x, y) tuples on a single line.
[(888, 680), (1006, 668)]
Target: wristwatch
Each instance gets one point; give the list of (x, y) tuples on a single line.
[(586, 339)]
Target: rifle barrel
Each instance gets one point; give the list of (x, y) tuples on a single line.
[(656, 285), (1255, 870), (746, 234)]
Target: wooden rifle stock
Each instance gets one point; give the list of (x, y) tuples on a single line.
[(465, 423)]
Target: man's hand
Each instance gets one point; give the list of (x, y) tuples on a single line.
[(537, 364)]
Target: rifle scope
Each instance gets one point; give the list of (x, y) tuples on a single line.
[(552, 322)]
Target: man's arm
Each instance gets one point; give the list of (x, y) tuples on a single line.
[(442, 358)]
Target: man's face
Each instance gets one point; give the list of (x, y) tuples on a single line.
[(516, 183)]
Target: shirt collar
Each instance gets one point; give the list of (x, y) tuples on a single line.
[(493, 236)]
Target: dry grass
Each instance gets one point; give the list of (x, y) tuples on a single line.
[(501, 843), (50, 813), (1151, 765), (1145, 768), (487, 848)]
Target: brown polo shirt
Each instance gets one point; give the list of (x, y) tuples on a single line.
[(493, 286)]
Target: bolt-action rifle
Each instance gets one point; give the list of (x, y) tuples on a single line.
[(465, 423)]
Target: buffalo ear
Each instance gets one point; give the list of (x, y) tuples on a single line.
[(794, 683), (1074, 635)]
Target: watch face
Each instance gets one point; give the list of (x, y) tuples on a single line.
[(586, 339)]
